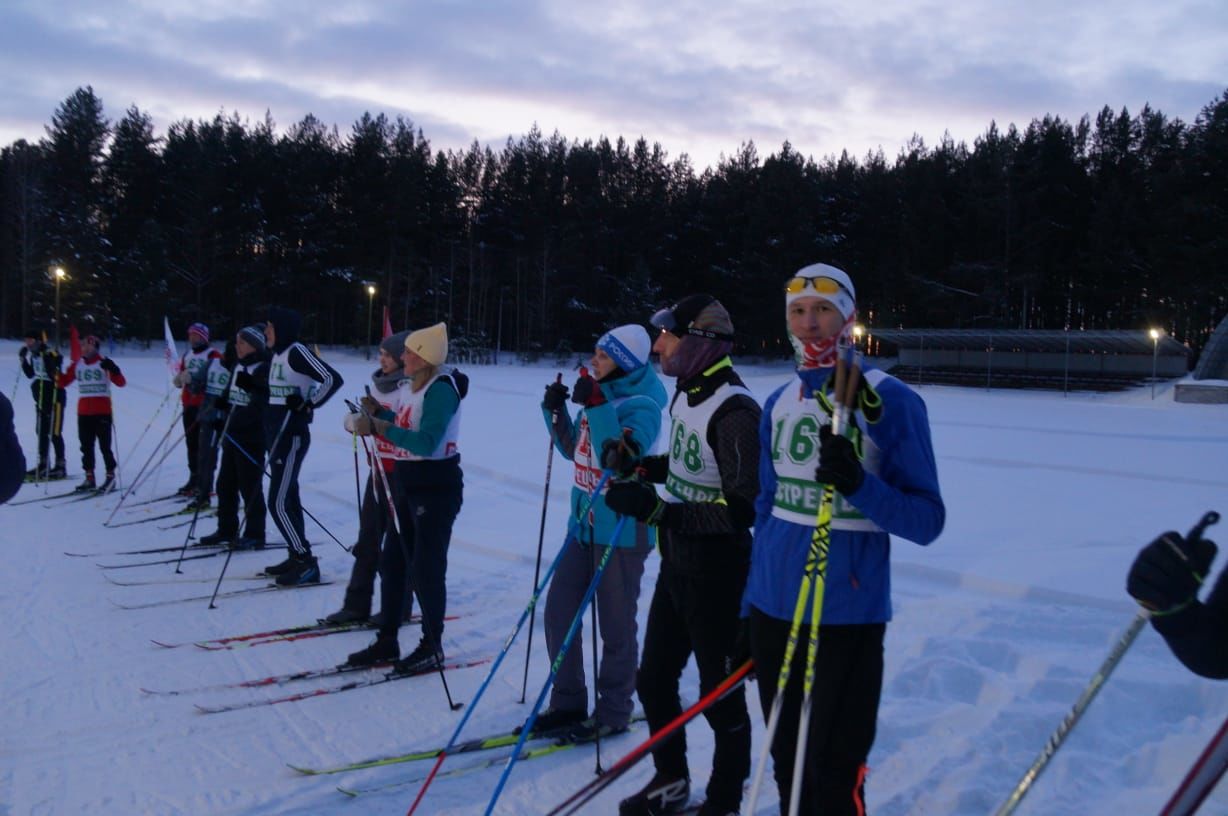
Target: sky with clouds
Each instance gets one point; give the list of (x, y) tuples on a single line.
[(698, 76)]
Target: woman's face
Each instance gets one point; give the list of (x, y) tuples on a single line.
[(387, 363), (601, 364), (242, 347), (412, 363), (812, 318)]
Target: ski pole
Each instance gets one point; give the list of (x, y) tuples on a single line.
[(213, 443), (1089, 693), (265, 471), (576, 620), (583, 796), (507, 645), (357, 487), (541, 537), (846, 386), (813, 579), (247, 507), (1202, 778), (148, 425), (142, 474), (247, 514)]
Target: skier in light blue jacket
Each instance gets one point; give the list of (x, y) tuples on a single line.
[(622, 399)]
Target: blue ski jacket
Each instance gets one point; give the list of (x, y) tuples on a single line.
[(899, 496), (634, 401)]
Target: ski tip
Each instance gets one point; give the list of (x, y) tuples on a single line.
[(164, 645), (303, 771), (348, 792), (203, 709)]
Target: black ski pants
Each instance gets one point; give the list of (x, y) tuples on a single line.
[(49, 420), (191, 438), (372, 524), (93, 428), (426, 506), (285, 461), (238, 476), (844, 714), (697, 613)]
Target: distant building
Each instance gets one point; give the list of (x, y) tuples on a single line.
[(1064, 360)]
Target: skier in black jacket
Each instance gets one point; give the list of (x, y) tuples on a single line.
[(1165, 579), (241, 470), (42, 365), (299, 382), (711, 478)]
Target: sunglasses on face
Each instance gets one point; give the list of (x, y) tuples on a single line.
[(823, 286), (666, 321)]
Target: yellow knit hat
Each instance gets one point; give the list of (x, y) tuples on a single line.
[(431, 343)]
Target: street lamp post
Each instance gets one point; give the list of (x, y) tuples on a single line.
[(1155, 353), (59, 274), (370, 309), (858, 331)]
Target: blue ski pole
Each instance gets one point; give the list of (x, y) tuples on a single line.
[(558, 661), (507, 645)]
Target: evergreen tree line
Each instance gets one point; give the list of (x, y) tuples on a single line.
[(1116, 222)]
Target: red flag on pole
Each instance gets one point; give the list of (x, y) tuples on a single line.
[(74, 344), (387, 325)]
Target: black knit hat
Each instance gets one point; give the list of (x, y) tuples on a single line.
[(699, 315)]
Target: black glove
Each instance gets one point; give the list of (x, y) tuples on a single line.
[(109, 366), (24, 352), (298, 405), (556, 397), (1167, 573), (244, 380), (221, 403), (587, 392), (838, 463), (638, 500), (621, 456)]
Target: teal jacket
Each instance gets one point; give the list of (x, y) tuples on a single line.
[(634, 401)]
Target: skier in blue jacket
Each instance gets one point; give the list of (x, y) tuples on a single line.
[(886, 484), (623, 394)]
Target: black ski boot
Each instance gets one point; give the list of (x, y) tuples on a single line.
[(426, 657), (108, 484), (556, 721), (664, 794), (88, 484), (304, 570), (218, 539), (346, 615), (58, 472), (382, 650)]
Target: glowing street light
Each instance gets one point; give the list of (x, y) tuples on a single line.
[(1155, 352), (59, 274), (370, 308), (858, 331)]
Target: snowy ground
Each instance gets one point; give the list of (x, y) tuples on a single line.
[(999, 624)]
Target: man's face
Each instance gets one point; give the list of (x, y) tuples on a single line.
[(31, 343), (665, 345), (88, 348), (813, 318), (270, 334)]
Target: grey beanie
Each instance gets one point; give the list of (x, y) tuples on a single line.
[(394, 343)]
